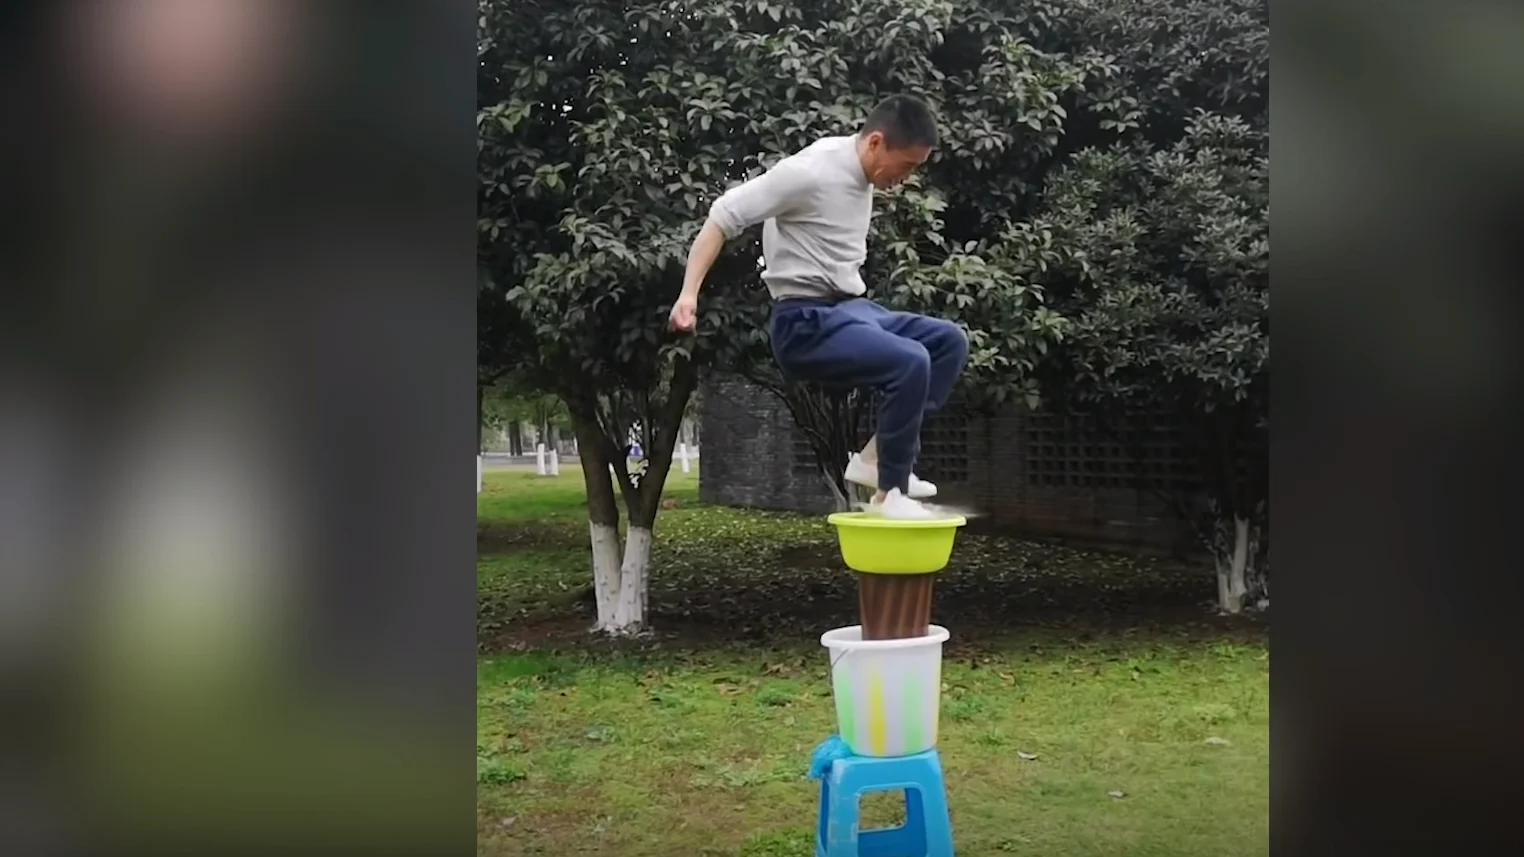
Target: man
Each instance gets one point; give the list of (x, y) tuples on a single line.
[(815, 206)]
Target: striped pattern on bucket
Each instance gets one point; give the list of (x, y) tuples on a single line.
[(879, 715)]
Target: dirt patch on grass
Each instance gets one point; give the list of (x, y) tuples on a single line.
[(540, 631), (747, 619), (506, 538), (811, 556)]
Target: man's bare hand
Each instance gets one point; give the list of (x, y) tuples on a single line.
[(684, 316)]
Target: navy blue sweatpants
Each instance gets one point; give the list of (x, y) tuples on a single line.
[(912, 359)]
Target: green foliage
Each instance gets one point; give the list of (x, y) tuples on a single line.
[(1165, 266), (607, 130), (502, 405), (1096, 215), (1168, 58), (1161, 238)]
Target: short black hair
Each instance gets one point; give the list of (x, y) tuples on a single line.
[(904, 120)]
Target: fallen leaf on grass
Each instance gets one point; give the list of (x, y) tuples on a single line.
[(1217, 742)]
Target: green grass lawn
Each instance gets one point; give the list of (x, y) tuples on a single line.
[(1072, 677)]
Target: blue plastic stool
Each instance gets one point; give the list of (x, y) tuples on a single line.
[(845, 778)]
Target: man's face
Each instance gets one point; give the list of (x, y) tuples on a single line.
[(886, 167)]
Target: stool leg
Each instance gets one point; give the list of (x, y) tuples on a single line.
[(934, 820), (927, 831), (822, 833), (840, 822)]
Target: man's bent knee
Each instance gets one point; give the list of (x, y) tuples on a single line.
[(915, 364), (953, 339)]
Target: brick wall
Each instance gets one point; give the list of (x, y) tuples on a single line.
[(1050, 477), (1022, 472), (749, 450)]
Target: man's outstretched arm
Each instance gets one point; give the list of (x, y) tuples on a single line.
[(773, 193)]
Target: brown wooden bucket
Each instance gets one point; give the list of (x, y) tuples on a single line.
[(894, 606)]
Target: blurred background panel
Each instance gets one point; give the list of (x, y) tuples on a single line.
[(236, 347)]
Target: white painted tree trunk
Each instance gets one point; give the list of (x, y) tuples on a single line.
[(630, 610), (1232, 582), (607, 554), (620, 579)]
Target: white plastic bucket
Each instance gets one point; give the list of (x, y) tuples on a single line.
[(888, 692)]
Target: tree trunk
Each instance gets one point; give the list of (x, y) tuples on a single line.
[(607, 556), (634, 579), (830, 422), (515, 438), (621, 568), (629, 609), (621, 573), (1236, 551), (603, 524), (1236, 520), (660, 428)]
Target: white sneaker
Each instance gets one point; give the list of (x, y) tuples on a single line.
[(899, 507), (866, 474)]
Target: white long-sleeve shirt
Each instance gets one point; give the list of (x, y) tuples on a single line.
[(814, 206)]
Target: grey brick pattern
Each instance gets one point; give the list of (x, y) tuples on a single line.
[(753, 440)]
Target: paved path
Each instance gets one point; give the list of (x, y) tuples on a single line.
[(504, 461)]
